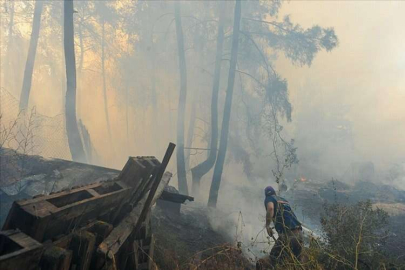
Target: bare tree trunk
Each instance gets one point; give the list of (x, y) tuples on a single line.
[(152, 56), (74, 140), (155, 119), (219, 165), (10, 30), (190, 133), (107, 117), (203, 168), (81, 47), (181, 166), (169, 113), (9, 68), (32, 50), (126, 112), (79, 92)]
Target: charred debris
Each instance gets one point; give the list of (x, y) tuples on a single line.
[(59, 214), (101, 225)]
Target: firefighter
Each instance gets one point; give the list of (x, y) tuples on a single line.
[(289, 229)]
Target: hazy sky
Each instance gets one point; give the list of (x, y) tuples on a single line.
[(365, 72)]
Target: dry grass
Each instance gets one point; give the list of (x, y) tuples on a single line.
[(224, 257)]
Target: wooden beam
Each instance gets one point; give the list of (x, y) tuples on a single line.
[(48, 216), (82, 245), (56, 258), (18, 251), (137, 173), (111, 246)]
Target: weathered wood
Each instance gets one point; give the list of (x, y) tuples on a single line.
[(175, 197), (145, 254), (46, 217), (170, 202), (134, 258), (151, 252), (153, 195), (110, 247), (145, 230), (107, 215), (18, 251), (141, 170), (134, 170), (131, 171), (147, 184), (56, 258), (82, 245), (101, 230)]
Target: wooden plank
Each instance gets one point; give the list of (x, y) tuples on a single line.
[(18, 251), (153, 195), (145, 254), (143, 167), (101, 230), (56, 258), (135, 256), (46, 217), (110, 247), (142, 255), (64, 240), (82, 245), (132, 168), (151, 262), (135, 168)]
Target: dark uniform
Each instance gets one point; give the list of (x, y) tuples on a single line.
[(288, 228)]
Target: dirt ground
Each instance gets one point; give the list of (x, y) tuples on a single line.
[(188, 242)]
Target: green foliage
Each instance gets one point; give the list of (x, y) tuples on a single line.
[(277, 96), (298, 44)]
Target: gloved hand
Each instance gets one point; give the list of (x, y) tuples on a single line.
[(269, 231)]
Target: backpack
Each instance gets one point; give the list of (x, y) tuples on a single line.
[(284, 217)]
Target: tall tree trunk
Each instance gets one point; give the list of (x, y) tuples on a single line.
[(155, 119), (181, 166), (10, 30), (107, 117), (81, 47), (203, 168), (169, 114), (219, 165), (32, 50), (9, 63), (126, 114), (79, 92), (152, 56), (72, 130), (190, 132)]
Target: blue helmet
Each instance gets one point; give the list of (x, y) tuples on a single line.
[(269, 191)]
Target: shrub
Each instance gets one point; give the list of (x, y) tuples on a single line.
[(354, 236)]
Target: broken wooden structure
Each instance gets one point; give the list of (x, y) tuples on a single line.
[(103, 225)]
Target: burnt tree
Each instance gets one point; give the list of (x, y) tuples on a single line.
[(72, 130), (219, 165), (181, 165), (32, 51), (203, 168)]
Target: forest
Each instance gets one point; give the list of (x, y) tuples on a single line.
[(253, 93)]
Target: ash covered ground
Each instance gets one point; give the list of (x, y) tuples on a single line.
[(200, 232)]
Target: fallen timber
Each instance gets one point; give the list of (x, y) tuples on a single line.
[(104, 225)]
